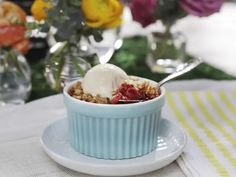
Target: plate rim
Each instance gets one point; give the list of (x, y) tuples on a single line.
[(83, 167)]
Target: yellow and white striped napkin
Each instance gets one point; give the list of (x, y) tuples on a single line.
[(209, 118)]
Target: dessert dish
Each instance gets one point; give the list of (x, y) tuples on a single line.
[(108, 84), (101, 127)]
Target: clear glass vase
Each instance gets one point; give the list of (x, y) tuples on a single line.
[(166, 51), (15, 78), (65, 63)]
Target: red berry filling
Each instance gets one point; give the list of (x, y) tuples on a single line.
[(129, 92)]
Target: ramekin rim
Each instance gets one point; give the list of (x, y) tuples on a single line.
[(66, 94)]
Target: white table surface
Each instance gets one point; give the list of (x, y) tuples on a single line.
[(21, 154)]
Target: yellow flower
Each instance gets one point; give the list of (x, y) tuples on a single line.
[(102, 13), (38, 9)]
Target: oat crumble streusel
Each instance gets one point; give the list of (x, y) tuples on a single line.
[(141, 90)]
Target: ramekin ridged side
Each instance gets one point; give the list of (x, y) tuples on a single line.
[(113, 138), (114, 131)]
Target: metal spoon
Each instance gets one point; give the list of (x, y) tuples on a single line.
[(181, 69)]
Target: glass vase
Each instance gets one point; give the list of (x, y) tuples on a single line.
[(15, 78), (166, 51), (65, 63)]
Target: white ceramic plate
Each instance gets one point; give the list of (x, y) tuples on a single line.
[(171, 143)]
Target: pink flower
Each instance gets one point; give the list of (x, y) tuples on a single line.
[(143, 11), (201, 8)]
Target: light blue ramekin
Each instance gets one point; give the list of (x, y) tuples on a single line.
[(113, 131)]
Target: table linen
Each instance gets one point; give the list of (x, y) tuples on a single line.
[(209, 119), (21, 127)]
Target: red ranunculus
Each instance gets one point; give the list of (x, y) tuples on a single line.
[(12, 29), (14, 36), (143, 11), (201, 8)]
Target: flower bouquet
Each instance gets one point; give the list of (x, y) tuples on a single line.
[(12, 28), (167, 49), (15, 83), (72, 22)]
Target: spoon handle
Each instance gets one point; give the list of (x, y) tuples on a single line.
[(182, 69)]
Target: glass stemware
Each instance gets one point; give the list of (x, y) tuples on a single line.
[(166, 51), (65, 63), (105, 49), (15, 78)]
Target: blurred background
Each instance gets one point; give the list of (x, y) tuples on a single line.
[(211, 38)]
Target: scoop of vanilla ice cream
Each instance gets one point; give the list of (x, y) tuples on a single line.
[(103, 79)]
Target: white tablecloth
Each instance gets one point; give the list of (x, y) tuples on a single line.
[(21, 154)]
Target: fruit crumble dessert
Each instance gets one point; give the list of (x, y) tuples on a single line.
[(108, 84)]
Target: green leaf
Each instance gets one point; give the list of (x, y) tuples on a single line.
[(169, 11), (45, 27), (75, 2)]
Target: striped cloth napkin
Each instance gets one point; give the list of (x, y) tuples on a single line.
[(209, 119)]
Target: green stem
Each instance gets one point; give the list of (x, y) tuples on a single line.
[(4, 59), (74, 59), (8, 57), (12, 56), (61, 63), (76, 64), (61, 49), (59, 57), (168, 30)]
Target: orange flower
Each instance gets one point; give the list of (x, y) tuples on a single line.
[(38, 9), (10, 13)]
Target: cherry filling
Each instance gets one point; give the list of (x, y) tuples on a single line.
[(129, 92)]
